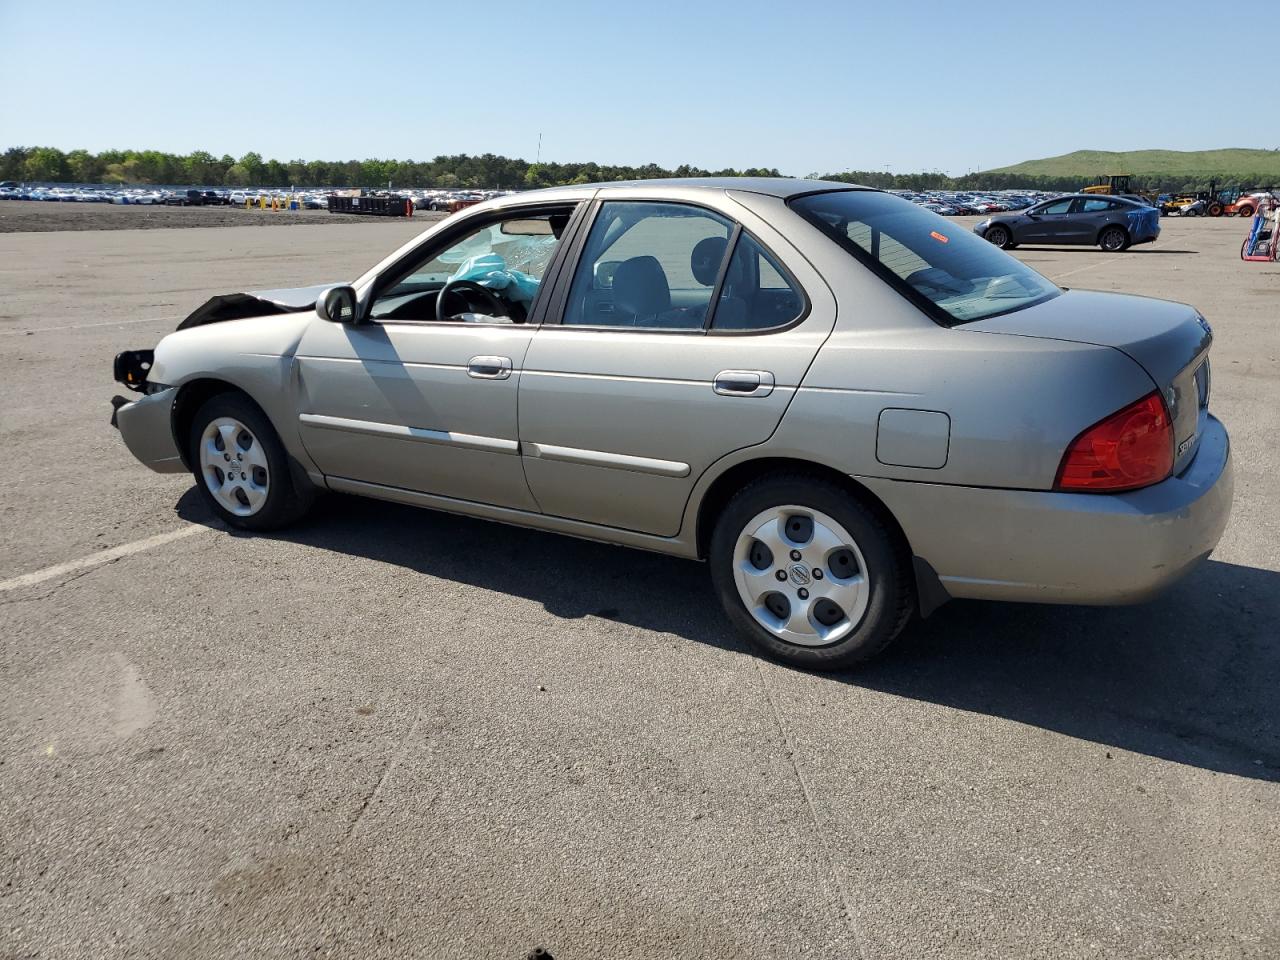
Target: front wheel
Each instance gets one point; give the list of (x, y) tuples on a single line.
[(808, 574), (240, 465), (1246, 211), (1113, 240)]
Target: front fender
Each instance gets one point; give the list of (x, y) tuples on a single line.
[(253, 355)]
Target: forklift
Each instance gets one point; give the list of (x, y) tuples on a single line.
[(1227, 202)]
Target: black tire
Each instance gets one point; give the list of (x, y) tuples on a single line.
[(1113, 239), (284, 502), (891, 584), (1000, 236), (1246, 211)]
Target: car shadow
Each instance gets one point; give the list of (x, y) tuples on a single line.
[(1082, 248), (1191, 677)]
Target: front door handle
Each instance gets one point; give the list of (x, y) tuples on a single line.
[(743, 383), (489, 368)]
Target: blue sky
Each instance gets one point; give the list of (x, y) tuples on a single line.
[(891, 85)]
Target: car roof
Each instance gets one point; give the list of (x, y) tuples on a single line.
[(783, 187), (1090, 196)]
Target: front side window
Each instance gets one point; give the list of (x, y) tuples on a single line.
[(1058, 206), (648, 265), (507, 258), (952, 273)]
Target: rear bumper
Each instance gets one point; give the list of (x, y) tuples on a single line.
[(1046, 547), (146, 426)]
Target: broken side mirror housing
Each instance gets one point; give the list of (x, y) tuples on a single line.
[(338, 305)]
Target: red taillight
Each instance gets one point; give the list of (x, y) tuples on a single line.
[(1127, 450)]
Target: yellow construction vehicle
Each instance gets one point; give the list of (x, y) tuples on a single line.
[(1114, 184)]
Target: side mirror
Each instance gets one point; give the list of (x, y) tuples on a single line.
[(338, 305)]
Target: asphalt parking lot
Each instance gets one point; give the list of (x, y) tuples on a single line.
[(395, 733)]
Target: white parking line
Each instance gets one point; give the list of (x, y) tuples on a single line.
[(1090, 266), (104, 556), (85, 326)]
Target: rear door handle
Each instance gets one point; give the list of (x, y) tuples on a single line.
[(743, 383), (489, 368)]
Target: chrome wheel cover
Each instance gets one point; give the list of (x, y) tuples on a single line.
[(234, 468), (809, 565)]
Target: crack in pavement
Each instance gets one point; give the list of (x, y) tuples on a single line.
[(60, 584), (391, 764), (850, 916)]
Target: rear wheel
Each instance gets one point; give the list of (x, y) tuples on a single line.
[(1113, 239), (808, 574), (240, 465), (1215, 210), (999, 236)]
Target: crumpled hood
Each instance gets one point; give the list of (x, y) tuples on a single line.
[(261, 303)]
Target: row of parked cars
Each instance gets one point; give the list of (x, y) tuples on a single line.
[(951, 204), (441, 200), (136, 196)]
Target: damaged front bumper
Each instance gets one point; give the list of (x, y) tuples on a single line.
[(146, 426)]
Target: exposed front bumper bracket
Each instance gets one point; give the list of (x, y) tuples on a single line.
[(116, 403)]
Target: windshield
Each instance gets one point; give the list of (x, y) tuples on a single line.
[(953, 273)]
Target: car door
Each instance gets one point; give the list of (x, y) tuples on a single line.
[(1047, 223), (1094, 214), (681, 335), (410, 401)]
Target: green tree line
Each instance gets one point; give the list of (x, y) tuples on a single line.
[(48, 164)]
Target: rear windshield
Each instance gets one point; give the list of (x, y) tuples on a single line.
[(952, 273)]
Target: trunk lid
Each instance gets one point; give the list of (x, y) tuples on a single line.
[(1169, 340)]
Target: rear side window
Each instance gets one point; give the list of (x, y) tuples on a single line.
[(954, 275), (756, 294), (1098, 206), (648, 265)]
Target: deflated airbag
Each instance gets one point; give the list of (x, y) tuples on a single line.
[(237, 306)]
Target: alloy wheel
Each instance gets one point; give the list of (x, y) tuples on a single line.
[(234, 467), (801, 575)]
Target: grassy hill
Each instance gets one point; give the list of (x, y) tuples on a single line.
[(1229, 164)]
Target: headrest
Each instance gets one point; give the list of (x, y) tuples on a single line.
[(640, 287), (706, 258)]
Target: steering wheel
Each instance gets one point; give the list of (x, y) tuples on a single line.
[(498, 308)]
